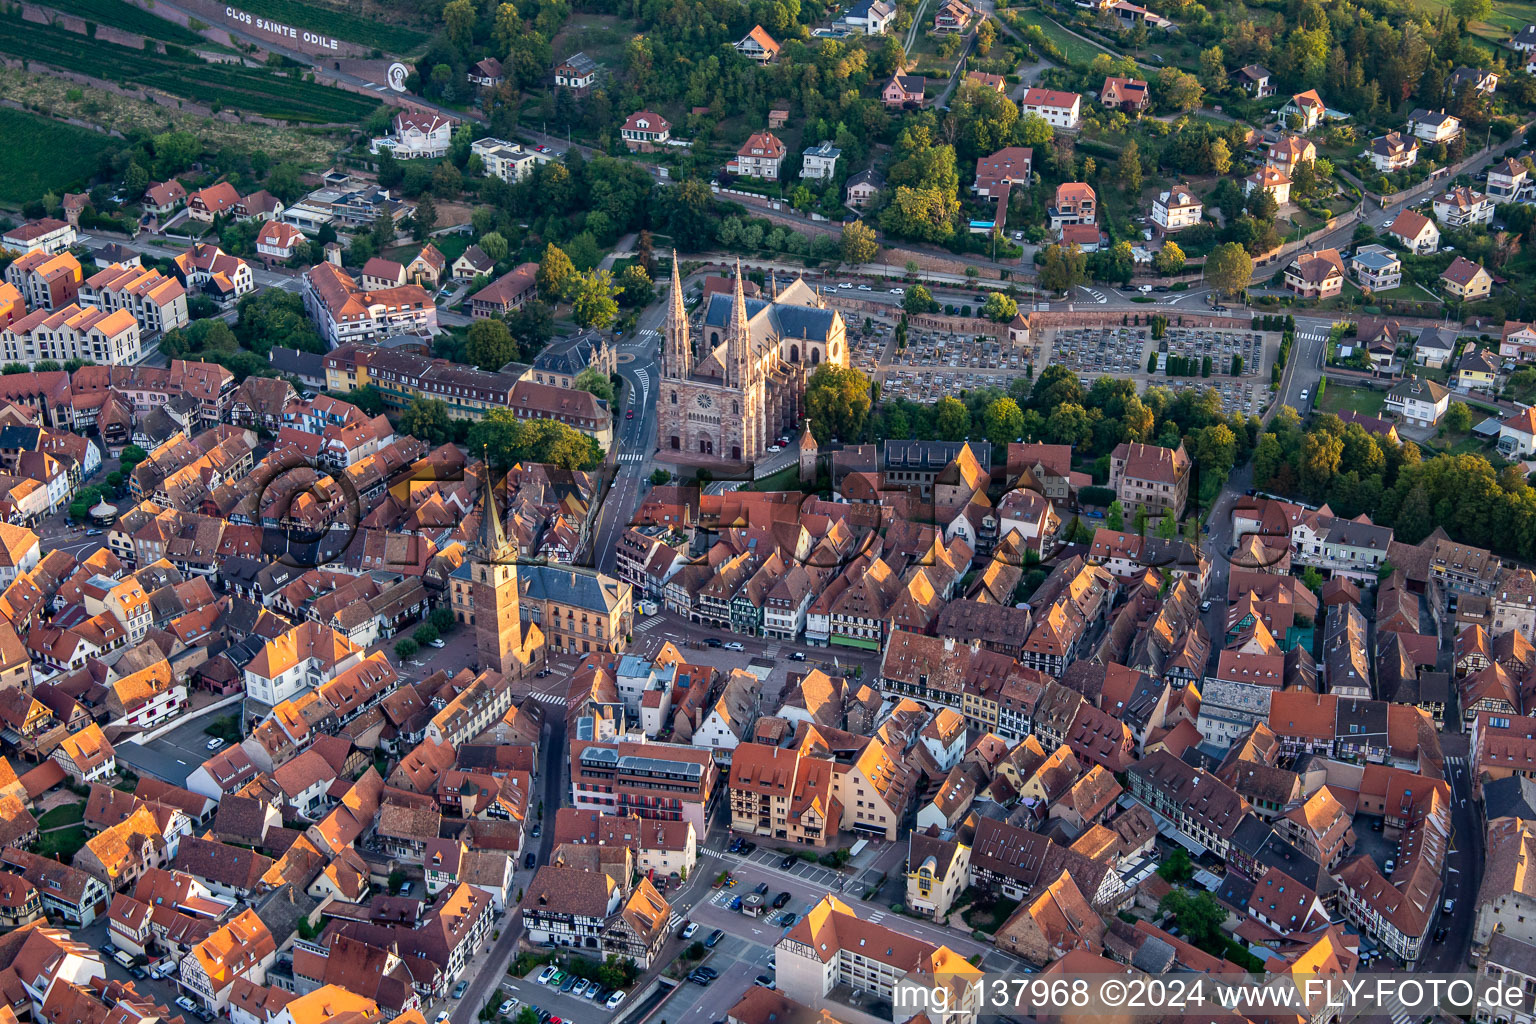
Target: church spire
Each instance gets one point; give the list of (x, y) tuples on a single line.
[(492, 538), (679, 352), (738, 334)]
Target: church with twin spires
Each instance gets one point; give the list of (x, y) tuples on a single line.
[(729, 392)]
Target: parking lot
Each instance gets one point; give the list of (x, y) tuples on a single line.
[(175, 755), (548, 997), (806, 871)]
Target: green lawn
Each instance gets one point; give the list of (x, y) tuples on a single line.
[(1078, 51), (1361, 400), (1508, 17), (64, 814), (60, 845), (46, 156)]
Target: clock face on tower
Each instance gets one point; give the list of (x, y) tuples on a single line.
[(705, 401)]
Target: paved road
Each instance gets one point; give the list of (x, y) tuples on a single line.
[(635, 437)]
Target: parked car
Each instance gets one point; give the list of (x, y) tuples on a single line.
[(714, 641), (865, 288), (439, 643), (787, 919), (735, 902), (549, 971), (614, 1000), (714, 938), (797, 656), (506, 1006), (775, 449), (570, 983), (690, 929), (186, 1004), (442, 1017), (781, 899), (580, 989), (530, 860), (734, 645), (765, 981), (898, 291), (460, 989), (709, 972), (214, 744), (762, 888), (788, 861), (698, 979)]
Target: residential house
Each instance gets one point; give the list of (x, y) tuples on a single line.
[(1376, 267), (1151, 477), (1434, 125), (1272, 180), (1392, 152), (1478, 370), (213, 201), (505, 160), (1415, 232), (760, 156), (417, 135), (758, 46), (1256, 81), (486, 74), (1059, 109), (1507, 180), (904, 92), (645, 130), (1316, 275), (872, 17), (1463, 207), (1434, 346), (997, 173), (863, 187), (507, 294), (819, 162), (1420, 402), (1307, 108), (1466, 281), (576, 73), (1129, 95), (953, 16), (1075, 203), (1176, 209)]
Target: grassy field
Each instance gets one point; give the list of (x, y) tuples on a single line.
[(45, 155), (1361, 400), (129, 18), (64, 814), (61, 844), (258, 90), (397, 39), (1509, 17), (1078, 51), (46, 94)]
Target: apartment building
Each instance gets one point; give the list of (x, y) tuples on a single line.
[(157, 302), (72, 332), (650, 780), (346, 312), (1145, 476), (45, 280)]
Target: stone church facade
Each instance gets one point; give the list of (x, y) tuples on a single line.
[(734, 383)]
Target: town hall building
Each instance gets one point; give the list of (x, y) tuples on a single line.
[(741, 383)]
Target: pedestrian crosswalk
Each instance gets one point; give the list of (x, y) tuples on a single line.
[(1396, 1010), (649, 334), (1456, 760), (1098, 296), (771, 651), (649, 623), (631, 456)]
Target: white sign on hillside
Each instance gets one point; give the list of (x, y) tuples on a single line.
[(277, 28)]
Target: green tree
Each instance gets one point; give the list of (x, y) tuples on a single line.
[(1215, 449), (1177, 866), (459, 20), (494, 245), (951, 418), (635, 287), (918, 300), (1472, 11), (1229, 268), (1000, 307), (1004, 421), (555, 273), (1218, 156), (406, 649), (489, 344), (859, 244), (1198, 916), (1069, 424), (1213, 70), (424, 634), (660, 478), (442, 618), (1114, 518), (592, 302), (426, 418), (1169, 259), (1034, 130), (594, 382), (1178, 90), (1128, 171), (424, 220), (1458, 418), (1062, 268), (837, 402)]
